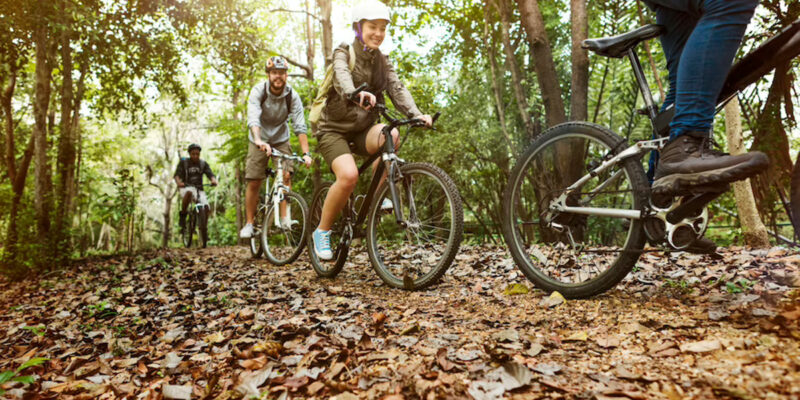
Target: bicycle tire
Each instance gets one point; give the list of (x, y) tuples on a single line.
[(441, 261), (794, 200), (301, 242), (202, 217), (636, 239), (342, 248), (188, 231)]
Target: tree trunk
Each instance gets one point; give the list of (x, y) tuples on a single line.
[(532, 21), (755, 233), (496, 90), (43, 199), (579, 87), (66, 146), (327, 30), (309, 40), (513, 66)]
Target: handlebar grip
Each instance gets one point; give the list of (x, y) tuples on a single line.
[(354, 95), (435, 117)]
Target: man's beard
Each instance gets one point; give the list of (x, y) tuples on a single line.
[(278, 83)]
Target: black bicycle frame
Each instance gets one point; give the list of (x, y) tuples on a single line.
[(390, 163), (779, 49)]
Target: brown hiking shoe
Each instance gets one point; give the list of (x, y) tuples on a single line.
[(688, 165)]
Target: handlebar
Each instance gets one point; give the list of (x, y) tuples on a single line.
[(293, 157), (394, 122)]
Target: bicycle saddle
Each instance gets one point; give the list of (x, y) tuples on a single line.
[(616, 46)]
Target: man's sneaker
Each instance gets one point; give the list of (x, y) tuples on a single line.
[(322, 244), (387, 205), (287, 224), (246, 232), (688, 164)]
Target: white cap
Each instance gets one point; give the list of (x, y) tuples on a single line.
[(370, 10)]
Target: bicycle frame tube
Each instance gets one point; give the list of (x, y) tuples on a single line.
[(390, 159), (636, 150)]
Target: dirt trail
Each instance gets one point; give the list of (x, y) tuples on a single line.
[(215, 324)]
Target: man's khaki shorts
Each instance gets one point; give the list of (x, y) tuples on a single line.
[(332, 145), (256, 167)]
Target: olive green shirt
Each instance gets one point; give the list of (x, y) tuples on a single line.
[(343, 116)]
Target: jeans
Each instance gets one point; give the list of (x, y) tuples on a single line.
[(700, 43)]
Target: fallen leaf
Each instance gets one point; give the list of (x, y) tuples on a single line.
[(178, 392), (515, 289), (553, 300), (701, 346)]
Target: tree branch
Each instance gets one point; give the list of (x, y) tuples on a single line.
[(297, 12)]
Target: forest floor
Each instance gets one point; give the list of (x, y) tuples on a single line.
[(217, 324)]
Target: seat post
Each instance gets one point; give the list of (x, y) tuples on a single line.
[(650, 106)]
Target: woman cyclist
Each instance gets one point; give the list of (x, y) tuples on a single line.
[(343, 122)]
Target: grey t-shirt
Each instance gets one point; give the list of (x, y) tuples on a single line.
[(270, 114)]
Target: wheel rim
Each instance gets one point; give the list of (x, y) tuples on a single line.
[(417, 251), (283, 242), (588, 246)]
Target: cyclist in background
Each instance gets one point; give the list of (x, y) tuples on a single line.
[(343, 122), (189, 177), (269, 107)]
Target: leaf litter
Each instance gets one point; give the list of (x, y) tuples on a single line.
[(215, 324)]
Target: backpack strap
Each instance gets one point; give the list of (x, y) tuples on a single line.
[(185, 162)]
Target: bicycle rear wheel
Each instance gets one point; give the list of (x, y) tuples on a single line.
[(577, 255), (341, 234), (416, 255), (283, 244)]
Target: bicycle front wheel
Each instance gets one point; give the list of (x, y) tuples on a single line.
[(577, 255), (416, 253), (202, 219), (188, 230), (283, 242)]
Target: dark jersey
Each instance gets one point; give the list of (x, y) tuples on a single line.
[(192, 172)]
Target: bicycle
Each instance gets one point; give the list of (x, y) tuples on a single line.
[(280, 244), (578, 209), (411, 246), (197, 217)]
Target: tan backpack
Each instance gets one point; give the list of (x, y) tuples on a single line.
[(322, 95)]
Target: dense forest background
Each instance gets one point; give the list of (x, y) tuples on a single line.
[(100, 98)]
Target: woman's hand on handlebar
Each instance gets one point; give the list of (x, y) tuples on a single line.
[(366, 100)]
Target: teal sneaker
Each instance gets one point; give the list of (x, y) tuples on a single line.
[(322, 244)]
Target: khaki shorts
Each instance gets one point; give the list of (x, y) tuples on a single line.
[(199, 196), (256, 168), (332, 145)]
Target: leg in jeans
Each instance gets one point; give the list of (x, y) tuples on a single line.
[(699, 63)]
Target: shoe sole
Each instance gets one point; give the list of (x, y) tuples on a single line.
[(321, 257), (686, 184)]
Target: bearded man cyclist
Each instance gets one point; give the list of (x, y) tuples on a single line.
[(270, 106), (343, 122), (189, 177)]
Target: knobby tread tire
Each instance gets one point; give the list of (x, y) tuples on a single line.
[(265, 247), (454, 243), (625, 261)]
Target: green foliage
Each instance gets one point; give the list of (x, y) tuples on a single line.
[(14, 376)]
